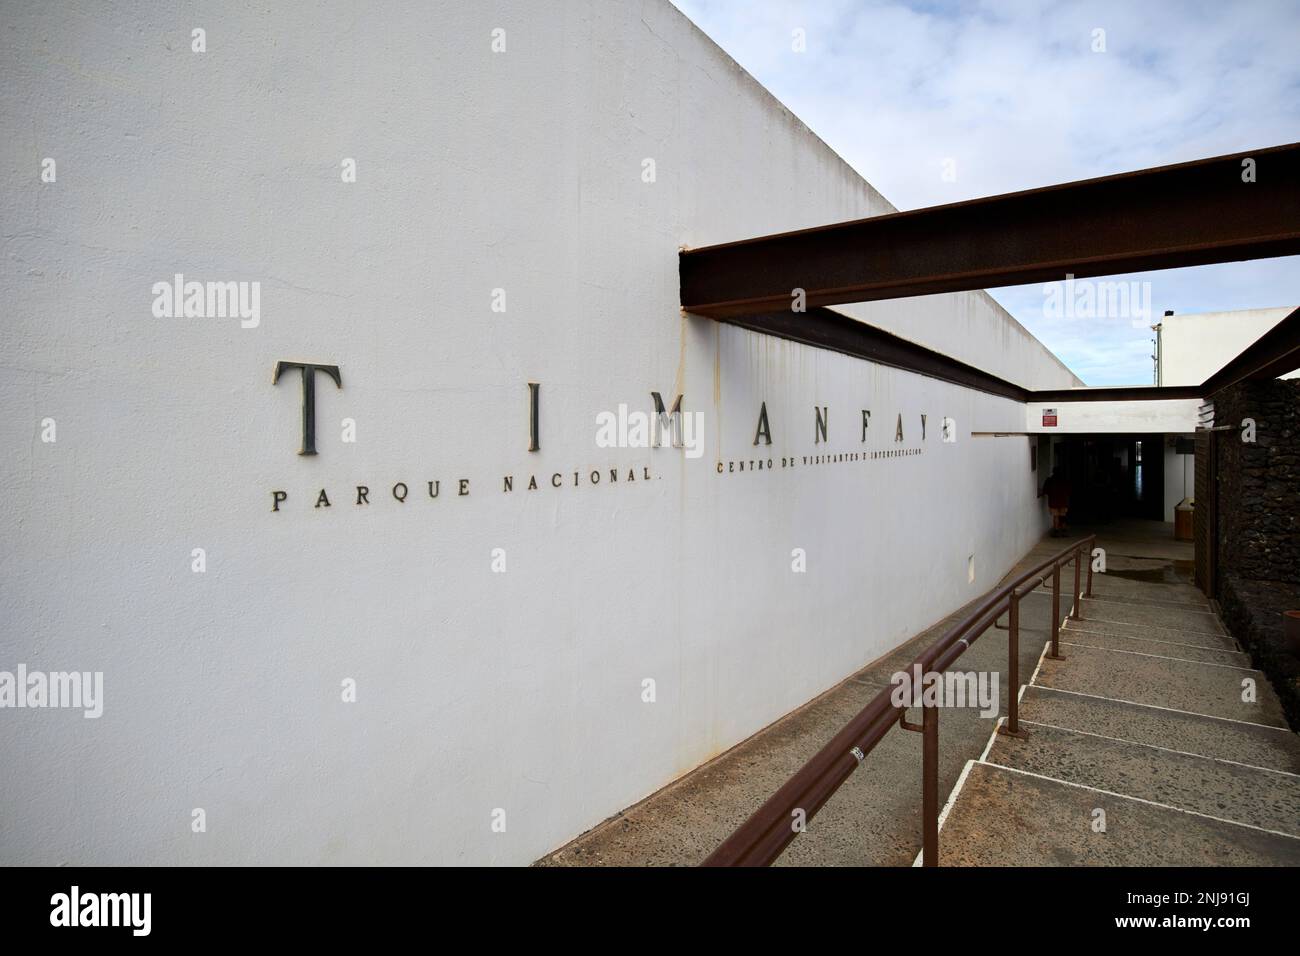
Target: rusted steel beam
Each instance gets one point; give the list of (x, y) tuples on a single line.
[(1172, 216), (826, 329), (1117, 393)]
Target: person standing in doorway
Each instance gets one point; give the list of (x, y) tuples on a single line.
[(1057, 489)]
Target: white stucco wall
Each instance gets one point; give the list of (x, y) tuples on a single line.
[(475, 690), (1165, 415), (1195, 346), (974, 329)]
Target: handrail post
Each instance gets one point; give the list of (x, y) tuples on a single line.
[(930, 785), (1091, 542), (1012, 727), (1077, 612), (1056, 612)]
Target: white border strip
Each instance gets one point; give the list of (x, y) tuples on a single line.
[(1159, 657), (1151, 803), (1200, 605), (952, 798), (1169, 750), (992, 737), (1037, 667), (1164, 627), (1151, 628), (1172, 710), (1079, 628)]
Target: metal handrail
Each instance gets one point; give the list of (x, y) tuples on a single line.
[(774, 825)]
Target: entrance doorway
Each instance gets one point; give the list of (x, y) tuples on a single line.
[(1113, 476)]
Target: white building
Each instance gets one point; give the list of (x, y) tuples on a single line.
[(430, 642), (1193, 346), (1190, 348)]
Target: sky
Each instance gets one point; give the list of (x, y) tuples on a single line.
[(935, 102)]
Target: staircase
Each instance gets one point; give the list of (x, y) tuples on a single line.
[(1143, 746)]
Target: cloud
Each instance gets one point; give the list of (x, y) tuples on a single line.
[(1013, 96)]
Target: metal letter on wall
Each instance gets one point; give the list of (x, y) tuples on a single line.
[(534, 444), (309, 371)]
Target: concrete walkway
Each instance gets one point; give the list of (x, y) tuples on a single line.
[(1171, 736), (873, 819)]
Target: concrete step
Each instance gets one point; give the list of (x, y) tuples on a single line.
[(1267, 799), (1196, 688), (1115, 585), (1179, 619), (1005, 817), (1151, 568), (1106, 596), (1188, 652), (1110, 595), (1273, 748), (1169, 635)]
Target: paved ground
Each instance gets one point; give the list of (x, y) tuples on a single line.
[(874, 819)]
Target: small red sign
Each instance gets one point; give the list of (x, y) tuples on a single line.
[(1049, 418)]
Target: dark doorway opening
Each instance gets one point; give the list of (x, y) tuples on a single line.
[(1113, 476)]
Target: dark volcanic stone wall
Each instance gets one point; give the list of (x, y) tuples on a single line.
[(1259, 489), (1259, 524)]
